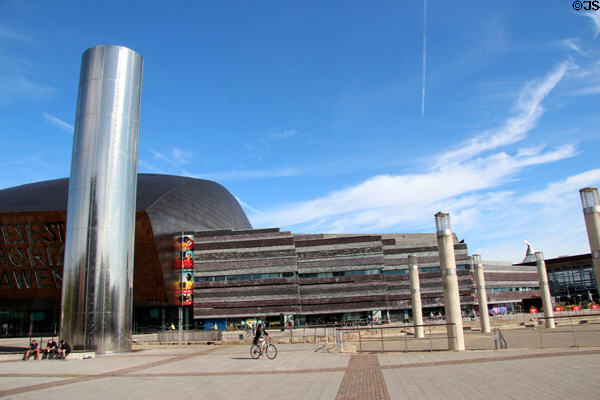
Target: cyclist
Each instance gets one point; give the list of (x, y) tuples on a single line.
[(260, 336)]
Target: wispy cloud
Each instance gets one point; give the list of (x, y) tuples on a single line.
[(15, 81), (250, 174), (144, 166), (181, 156), (528, 109), (14, 86), (564, 190), (550, 218), (387, 200), (424, 57), (9, 34), (571, 44), (176, 156), (464, 182), (284, 134), (58, 122), (595, 18), (247, 206)]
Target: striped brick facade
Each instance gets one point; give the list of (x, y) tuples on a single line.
[(266, 272), (506, 283)]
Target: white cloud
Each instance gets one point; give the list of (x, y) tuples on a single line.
[(284, 134), (465, 183), (550, 218), (181, 156), (58, 122), (175, 158), (14, 86), (528, 109), (147, 167), (384, 201), (565, 190), (250, 174), (571, 44), (595, 18), (247, 206), (9, 34)]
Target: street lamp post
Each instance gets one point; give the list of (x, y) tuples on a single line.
[(456, 339), (591, 214), (415, 290), (484, 318), (544, 289)]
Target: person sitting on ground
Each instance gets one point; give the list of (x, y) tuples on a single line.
[(34, 349), (51, 350), (259, 338), (64, 350)]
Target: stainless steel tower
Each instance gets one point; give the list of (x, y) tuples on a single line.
[(96, 311)]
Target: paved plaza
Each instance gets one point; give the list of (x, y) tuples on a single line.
[(309, 371)]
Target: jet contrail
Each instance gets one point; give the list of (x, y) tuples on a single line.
[(424, 57)]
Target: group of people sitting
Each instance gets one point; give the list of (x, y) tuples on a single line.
[(52, 350)]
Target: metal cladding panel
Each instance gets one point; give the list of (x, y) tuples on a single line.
[(98, 271)]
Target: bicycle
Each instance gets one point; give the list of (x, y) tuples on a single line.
[(270, 350)]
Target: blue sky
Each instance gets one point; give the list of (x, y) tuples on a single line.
[(335, 116)]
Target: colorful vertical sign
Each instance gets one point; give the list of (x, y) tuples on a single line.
[(184, 270)]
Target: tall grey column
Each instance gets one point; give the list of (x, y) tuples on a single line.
[(415, 291), (456, 338), (544, 289), (591, 213), (484, 318), (96, 310)]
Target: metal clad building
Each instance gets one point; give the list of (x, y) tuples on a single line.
[(238, 272)]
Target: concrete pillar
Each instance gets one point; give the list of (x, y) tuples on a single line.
[(415, 291), (591, 213), (484, 318), (456, 339), (544, 289)]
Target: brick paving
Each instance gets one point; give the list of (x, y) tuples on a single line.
[(306, 371), (82, 378), (363, 380)]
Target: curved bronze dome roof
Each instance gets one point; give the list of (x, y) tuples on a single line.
[(204, 204)]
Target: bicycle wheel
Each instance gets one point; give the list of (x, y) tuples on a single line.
[(271, 352), (254, 351)]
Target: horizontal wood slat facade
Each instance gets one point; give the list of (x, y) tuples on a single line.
[(326, 273)]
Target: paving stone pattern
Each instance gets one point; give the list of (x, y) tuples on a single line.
[(363, 380), (306, 371)]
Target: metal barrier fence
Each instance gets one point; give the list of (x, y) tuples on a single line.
[(189, 336), (394, 338), (571, 330)]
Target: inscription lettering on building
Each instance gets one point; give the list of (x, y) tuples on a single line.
[(31, 255)]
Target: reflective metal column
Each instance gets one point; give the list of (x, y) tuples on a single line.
[(97, 291)]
